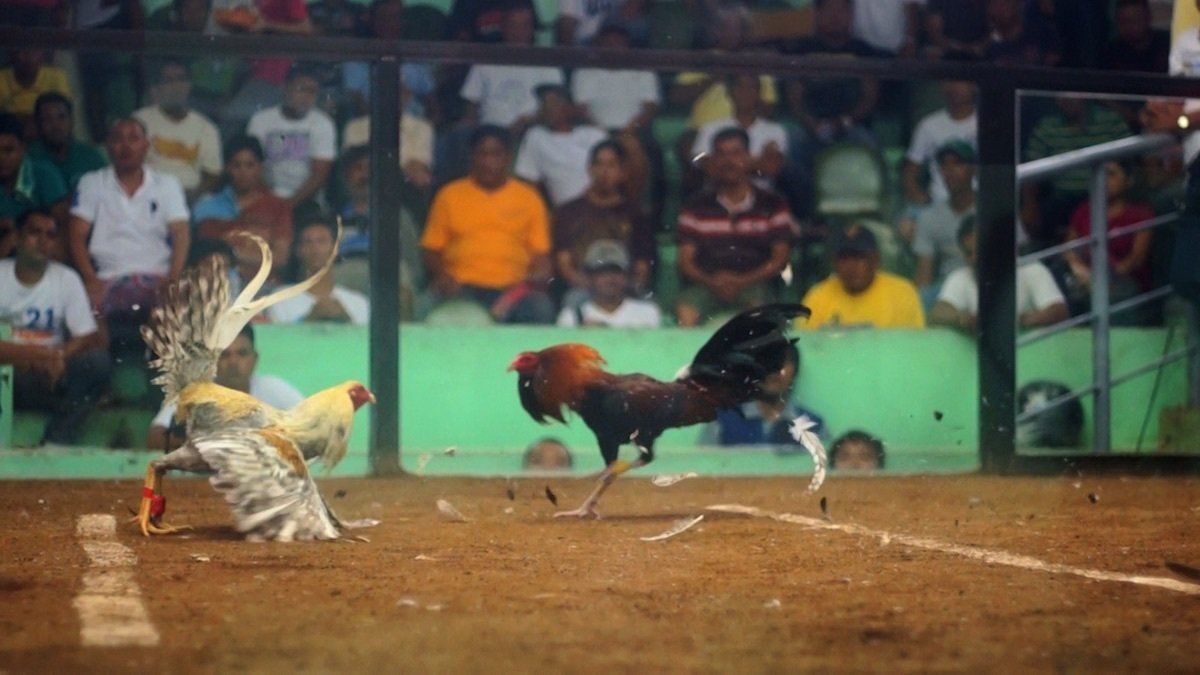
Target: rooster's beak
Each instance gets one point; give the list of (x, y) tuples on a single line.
[(371, 397)]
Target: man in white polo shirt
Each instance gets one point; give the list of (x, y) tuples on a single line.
[(1039, 302), (554, 154), (129, 235), (59, 363), (129, 223)]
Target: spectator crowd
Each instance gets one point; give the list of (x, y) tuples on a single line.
[(541, 195)]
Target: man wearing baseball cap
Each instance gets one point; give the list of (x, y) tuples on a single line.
[(858, 293), (606, 265)]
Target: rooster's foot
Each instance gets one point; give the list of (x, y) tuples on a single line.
[(163, 528), (150, 513), (151, 525)]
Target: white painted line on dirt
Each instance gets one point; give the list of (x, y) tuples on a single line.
[(111, 612), (990, 556)]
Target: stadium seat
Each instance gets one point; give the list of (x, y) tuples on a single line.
[(926, 97), (459, 313), (27, 429), (118, 427), (853, 187), (850, 180), (131, 382), (666, 283)]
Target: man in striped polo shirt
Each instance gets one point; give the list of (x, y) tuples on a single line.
[(734, 237)]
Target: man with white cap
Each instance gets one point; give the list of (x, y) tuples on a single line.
[(606, 265)]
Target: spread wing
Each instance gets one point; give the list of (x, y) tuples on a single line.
[(263, 478), (196, 320)]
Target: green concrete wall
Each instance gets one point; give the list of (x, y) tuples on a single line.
[(455, 392), (888, 382)]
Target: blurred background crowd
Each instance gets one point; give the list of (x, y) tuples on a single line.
[(542, 195)]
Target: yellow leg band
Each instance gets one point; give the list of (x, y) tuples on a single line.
[(619, 467)]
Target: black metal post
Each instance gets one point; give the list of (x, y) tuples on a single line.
[(384, 266), (996, 271), (1101, 365)]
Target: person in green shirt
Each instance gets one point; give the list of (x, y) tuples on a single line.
[(57, 146), (27, 184)]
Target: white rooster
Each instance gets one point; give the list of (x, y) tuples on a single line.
[(257, 454)]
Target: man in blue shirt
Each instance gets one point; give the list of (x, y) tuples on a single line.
[(765, 420)]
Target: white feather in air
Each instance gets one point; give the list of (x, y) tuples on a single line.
[(801, 430), (669, 479), (678, 527)]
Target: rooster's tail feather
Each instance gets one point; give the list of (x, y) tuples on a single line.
[(746, 349), (245, 307), (178, 329), (188, 331)]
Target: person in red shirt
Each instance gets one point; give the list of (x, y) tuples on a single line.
[(1129, 255)]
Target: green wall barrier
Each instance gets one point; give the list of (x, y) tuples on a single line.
[(917, 390), (455, 390)]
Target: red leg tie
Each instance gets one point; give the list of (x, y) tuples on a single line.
[(158, 506)]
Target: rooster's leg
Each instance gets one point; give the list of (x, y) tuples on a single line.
[(153, 505), (607, 477)]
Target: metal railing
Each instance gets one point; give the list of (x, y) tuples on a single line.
[(1094, 157)]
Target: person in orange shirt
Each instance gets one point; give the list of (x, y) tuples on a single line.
[(860, 295), (487, 238)]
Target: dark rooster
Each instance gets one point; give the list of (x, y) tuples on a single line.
[(637, 408)]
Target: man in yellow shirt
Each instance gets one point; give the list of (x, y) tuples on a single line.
[(858, 294), (27, 78), (487, 238)]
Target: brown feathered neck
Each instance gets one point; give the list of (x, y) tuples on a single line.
[(560, 375)]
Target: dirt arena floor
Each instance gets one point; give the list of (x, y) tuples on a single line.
[(514, 590)]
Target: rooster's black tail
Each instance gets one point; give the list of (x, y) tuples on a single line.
[(746, 349)]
